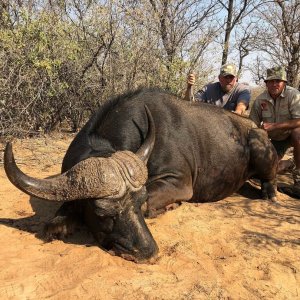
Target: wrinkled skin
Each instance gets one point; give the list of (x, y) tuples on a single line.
[(201, 153)]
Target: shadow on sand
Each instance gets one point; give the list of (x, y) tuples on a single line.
[(278, 214), (44, 211), (247, 196)]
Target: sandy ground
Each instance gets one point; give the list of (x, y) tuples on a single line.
[(238, 248)]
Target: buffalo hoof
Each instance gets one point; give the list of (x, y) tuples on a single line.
[(291, 191), (268, 190), (272, 197), (59, 228)]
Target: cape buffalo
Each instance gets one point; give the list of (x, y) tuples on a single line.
[(142, 152)]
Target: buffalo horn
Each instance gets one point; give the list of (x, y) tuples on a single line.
[(146, 148), (91, 178)]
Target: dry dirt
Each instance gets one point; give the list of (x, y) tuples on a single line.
[(239, 248)]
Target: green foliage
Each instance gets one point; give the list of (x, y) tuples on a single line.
[(61, 64), (37, 68)]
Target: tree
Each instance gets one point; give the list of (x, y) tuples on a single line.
[(235, 11), (279, 37), (244, 41), (181, 26), (60, 60)]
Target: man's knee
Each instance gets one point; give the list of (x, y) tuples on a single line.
[(295, 137), (295, 141)]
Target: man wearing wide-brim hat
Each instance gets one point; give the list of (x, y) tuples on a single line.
[(277, 110)]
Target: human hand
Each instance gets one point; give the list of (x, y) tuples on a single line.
[(268, 126), (240, 108), (191, 79)]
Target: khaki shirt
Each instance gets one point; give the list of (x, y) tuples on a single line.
[(286, 107)]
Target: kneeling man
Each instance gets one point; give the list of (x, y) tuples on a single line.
[(277, 110)]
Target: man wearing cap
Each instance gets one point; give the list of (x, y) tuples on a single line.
[(226, 93), (277, 110)]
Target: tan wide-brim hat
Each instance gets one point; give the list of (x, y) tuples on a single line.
[(276, 73)]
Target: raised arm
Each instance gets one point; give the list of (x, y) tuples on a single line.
[(189, 93)]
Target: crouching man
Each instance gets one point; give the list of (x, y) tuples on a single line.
[(277, 110)]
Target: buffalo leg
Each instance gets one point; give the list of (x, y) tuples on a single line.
[(164, 192), (65, 221), (264, 162)]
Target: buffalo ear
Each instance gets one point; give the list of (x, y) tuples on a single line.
[(146, 148)]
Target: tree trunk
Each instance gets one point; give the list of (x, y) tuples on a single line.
[(227, 31)]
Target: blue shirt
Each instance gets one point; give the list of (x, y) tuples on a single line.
[(213, 94)]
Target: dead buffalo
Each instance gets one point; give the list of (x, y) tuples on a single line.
[(142, 152)]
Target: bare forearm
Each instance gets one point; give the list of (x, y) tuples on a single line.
[(189, 96), (291, 124), (188, 93)]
